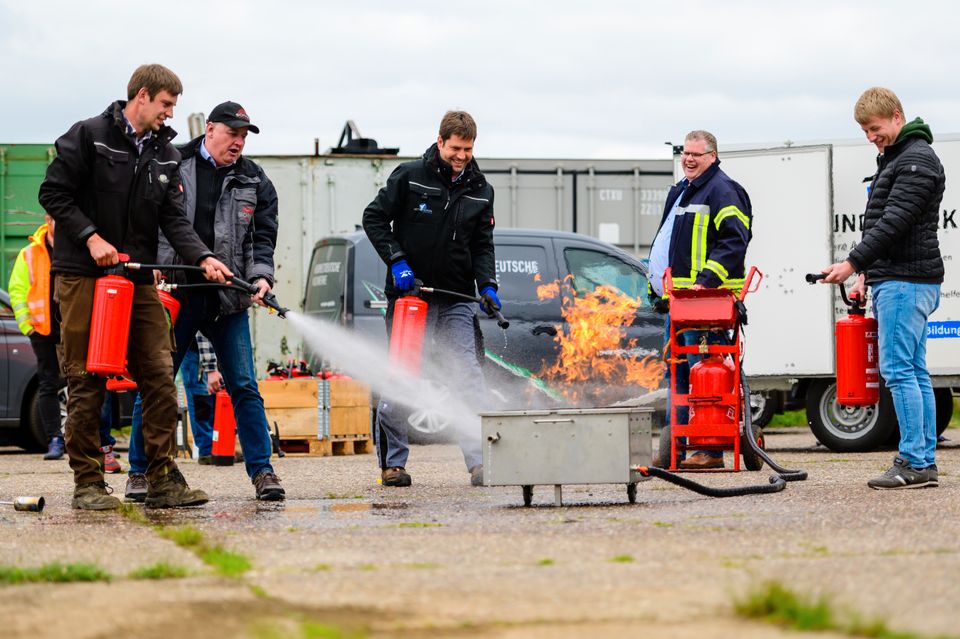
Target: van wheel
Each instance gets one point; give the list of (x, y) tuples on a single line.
[(763, 406), (846, 429), (32, 437)]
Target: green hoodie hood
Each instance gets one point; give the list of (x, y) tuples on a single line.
[(916, 128)]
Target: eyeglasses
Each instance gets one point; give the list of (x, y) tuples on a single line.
[(691, 154)]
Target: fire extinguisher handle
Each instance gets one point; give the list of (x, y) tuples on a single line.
[(747, 284), (813, 278)]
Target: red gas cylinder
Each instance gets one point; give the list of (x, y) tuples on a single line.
[(710, 379), (407, 332), (171, 304), (224, 430), (858, 370), (110, 325)]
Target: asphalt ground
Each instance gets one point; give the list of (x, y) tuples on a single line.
[(346, 557)]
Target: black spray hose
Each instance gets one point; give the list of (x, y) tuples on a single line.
[(502, 322), (785, 473), (269, 299), (777, 483)]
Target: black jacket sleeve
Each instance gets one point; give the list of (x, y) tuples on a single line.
[(61, 190), (175, 226), (379, 215), (914, 183), (265, 226), (482, 250)]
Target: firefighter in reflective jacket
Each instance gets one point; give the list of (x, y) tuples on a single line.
[(32, 300), (703, 239)]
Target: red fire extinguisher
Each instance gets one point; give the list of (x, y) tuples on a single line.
[(171, 305), (110, 324), (224, 430), (407, 332), (858, 368), (710, 379)]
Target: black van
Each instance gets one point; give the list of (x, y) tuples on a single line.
[(345, 285)]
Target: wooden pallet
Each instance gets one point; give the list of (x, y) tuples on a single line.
[(313, 447)]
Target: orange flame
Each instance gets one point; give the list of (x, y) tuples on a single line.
[(592, 354)]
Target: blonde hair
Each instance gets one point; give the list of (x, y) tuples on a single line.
[(876, 102)]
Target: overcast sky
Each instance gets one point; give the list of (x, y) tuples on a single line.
[(590, 79)]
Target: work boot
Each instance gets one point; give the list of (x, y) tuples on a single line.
[(205, 460), (136, 487), (55, 448), (172, 491), (903, 475), (701, 461), (94, 496), (396, 476), (110, 463), (268, 487), (476, 475)]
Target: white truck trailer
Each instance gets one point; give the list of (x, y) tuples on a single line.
[(808, 204)]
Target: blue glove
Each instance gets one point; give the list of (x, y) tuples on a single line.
[(402, 275), (489, 302)]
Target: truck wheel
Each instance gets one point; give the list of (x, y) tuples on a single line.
[(751, 460), (849, 429), (763, 406), (527, 495)]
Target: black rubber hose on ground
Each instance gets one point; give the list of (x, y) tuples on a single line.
[(776, 484), (785, 473)]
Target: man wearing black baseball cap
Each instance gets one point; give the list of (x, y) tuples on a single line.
[(233, 206)]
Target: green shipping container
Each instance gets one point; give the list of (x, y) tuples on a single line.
[(22, 167)]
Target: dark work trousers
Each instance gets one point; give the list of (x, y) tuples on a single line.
[(48, 381), (150, 362)]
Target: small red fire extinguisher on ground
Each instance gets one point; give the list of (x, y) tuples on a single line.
[(858, 353), (224, 431)]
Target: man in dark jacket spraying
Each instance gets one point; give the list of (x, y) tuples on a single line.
[(433, 221), (899, 258), (233, 206), (113, 184)]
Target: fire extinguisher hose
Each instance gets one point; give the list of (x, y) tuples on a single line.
[(502, 322), (777, 483), (785, 473)]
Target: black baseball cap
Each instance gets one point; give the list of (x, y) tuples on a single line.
[(233, 115)]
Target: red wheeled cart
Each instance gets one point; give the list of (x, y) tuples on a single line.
[(715, 398)]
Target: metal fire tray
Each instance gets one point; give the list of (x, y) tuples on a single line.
[(571, 446)]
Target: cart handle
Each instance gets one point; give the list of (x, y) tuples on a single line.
[(746, 285)]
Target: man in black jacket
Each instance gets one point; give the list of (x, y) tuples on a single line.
[(232, 204), (113, 184), (433, 221), (899, 258)]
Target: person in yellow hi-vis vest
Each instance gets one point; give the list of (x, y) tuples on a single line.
[(32, 299)]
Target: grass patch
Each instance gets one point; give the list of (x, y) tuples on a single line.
[(788, 418), (546, 562), (259, 592), (183, 536), (622, 559), (132, 512), (367, 567), (663, 524), (321, 567), (159, 570), (418, 524), (225, 562), (775, 603), (55, 572)]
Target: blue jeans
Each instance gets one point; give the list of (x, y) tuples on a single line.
[(450, 325), (902, 309), (199, 401), (109, 421), (688, 338), (230, 336)]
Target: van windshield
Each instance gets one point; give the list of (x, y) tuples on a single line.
[(326, 282)]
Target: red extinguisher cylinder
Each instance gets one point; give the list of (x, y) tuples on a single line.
[(110, 325), (710, 379), (171, 305), (858, 367), (224, 431), (407, 333)]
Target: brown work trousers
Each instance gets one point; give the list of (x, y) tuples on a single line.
[(150, 362)]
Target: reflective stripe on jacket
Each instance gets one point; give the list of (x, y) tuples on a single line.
[(30, 285), (711, 231)]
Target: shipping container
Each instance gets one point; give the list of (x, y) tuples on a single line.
[(22, 167)]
